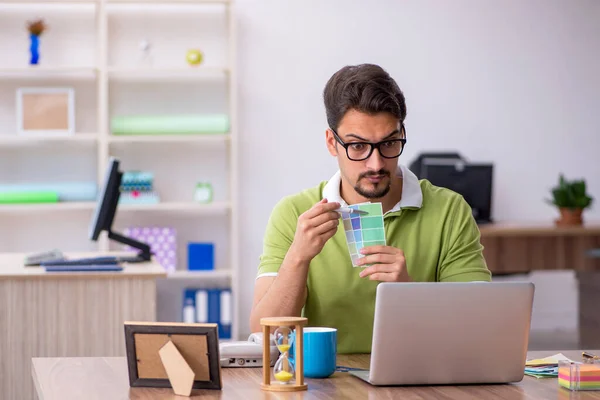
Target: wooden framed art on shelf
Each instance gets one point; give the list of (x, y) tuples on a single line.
[(45, 111)]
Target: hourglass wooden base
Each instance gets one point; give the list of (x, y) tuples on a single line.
[(297, 323)]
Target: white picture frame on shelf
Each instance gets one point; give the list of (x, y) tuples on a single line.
[(43, 111)]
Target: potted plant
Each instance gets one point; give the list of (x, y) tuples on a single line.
[(35, 28), (571, 199)]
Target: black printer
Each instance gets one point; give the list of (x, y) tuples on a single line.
[(471, 180)]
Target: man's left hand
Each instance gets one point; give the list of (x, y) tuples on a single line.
[(388, 264)]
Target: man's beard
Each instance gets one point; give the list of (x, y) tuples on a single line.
[(377, 192)]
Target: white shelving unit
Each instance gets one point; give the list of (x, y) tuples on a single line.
[(200, 274), (43, 208), (204, 140), (14, 140), (41, 71), (165, 74), (214, 208), (93, 46)]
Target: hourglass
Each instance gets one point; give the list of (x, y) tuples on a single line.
[(288, 376), (283, 371)]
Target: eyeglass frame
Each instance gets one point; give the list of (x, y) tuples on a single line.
[(373, 146)]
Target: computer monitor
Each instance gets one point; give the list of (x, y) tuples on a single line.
[(472, 181), (106, 209)]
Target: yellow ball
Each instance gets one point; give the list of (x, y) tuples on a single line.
[(194, 57)]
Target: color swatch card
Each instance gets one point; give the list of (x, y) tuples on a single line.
[(363, 230)]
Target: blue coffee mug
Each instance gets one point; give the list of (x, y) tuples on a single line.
[(320, 351)]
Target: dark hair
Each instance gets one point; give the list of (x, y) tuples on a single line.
[(367, 88)]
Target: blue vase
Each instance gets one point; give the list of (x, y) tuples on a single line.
[(34, 49)]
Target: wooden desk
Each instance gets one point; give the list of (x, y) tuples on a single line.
[(66, 314), (106, 378), (520, 248)]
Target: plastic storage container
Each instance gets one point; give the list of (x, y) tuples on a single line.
[(579, 375)]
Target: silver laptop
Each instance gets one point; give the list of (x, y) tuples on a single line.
[(450, 333)]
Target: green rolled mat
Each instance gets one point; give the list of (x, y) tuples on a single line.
[(30, 197), (169, 124)]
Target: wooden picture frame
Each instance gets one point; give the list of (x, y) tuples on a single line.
[(161, 354), (45, 111)]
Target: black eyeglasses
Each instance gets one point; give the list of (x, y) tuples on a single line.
[(358, 151)]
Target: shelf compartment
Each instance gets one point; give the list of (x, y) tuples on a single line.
[(215, 208), (200, 138), (18, 140), (43, 72), (209, 274), (46, 2), (166, 2), (47, 207), (166, 74)]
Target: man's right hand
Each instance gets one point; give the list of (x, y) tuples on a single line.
[(315, 227)]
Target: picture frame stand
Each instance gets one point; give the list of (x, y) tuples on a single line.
[(181, 356)]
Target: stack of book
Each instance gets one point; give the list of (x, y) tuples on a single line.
[(137, 188)]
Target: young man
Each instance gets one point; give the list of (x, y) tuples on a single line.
[(305, 268)]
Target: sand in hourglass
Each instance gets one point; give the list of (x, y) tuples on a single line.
[(283, 371)]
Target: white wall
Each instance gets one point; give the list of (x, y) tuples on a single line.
[(513, 82)]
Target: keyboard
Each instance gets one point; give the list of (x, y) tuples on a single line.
[(94, 261), (36, 259), (84, 268)]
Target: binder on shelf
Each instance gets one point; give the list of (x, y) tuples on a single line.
[(226, 311), (201, 306), (189, 307), (209, 306), (214, 314)]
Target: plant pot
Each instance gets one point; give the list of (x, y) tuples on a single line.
[(570, 217)]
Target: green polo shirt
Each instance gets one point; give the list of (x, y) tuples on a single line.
[(434, 228)]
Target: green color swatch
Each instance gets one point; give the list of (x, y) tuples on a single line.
[(363, 230)]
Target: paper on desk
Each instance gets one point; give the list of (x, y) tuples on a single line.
[(552, 360), (541, 376), (542, 371)]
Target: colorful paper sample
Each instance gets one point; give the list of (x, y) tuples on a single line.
[(363, 230)]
